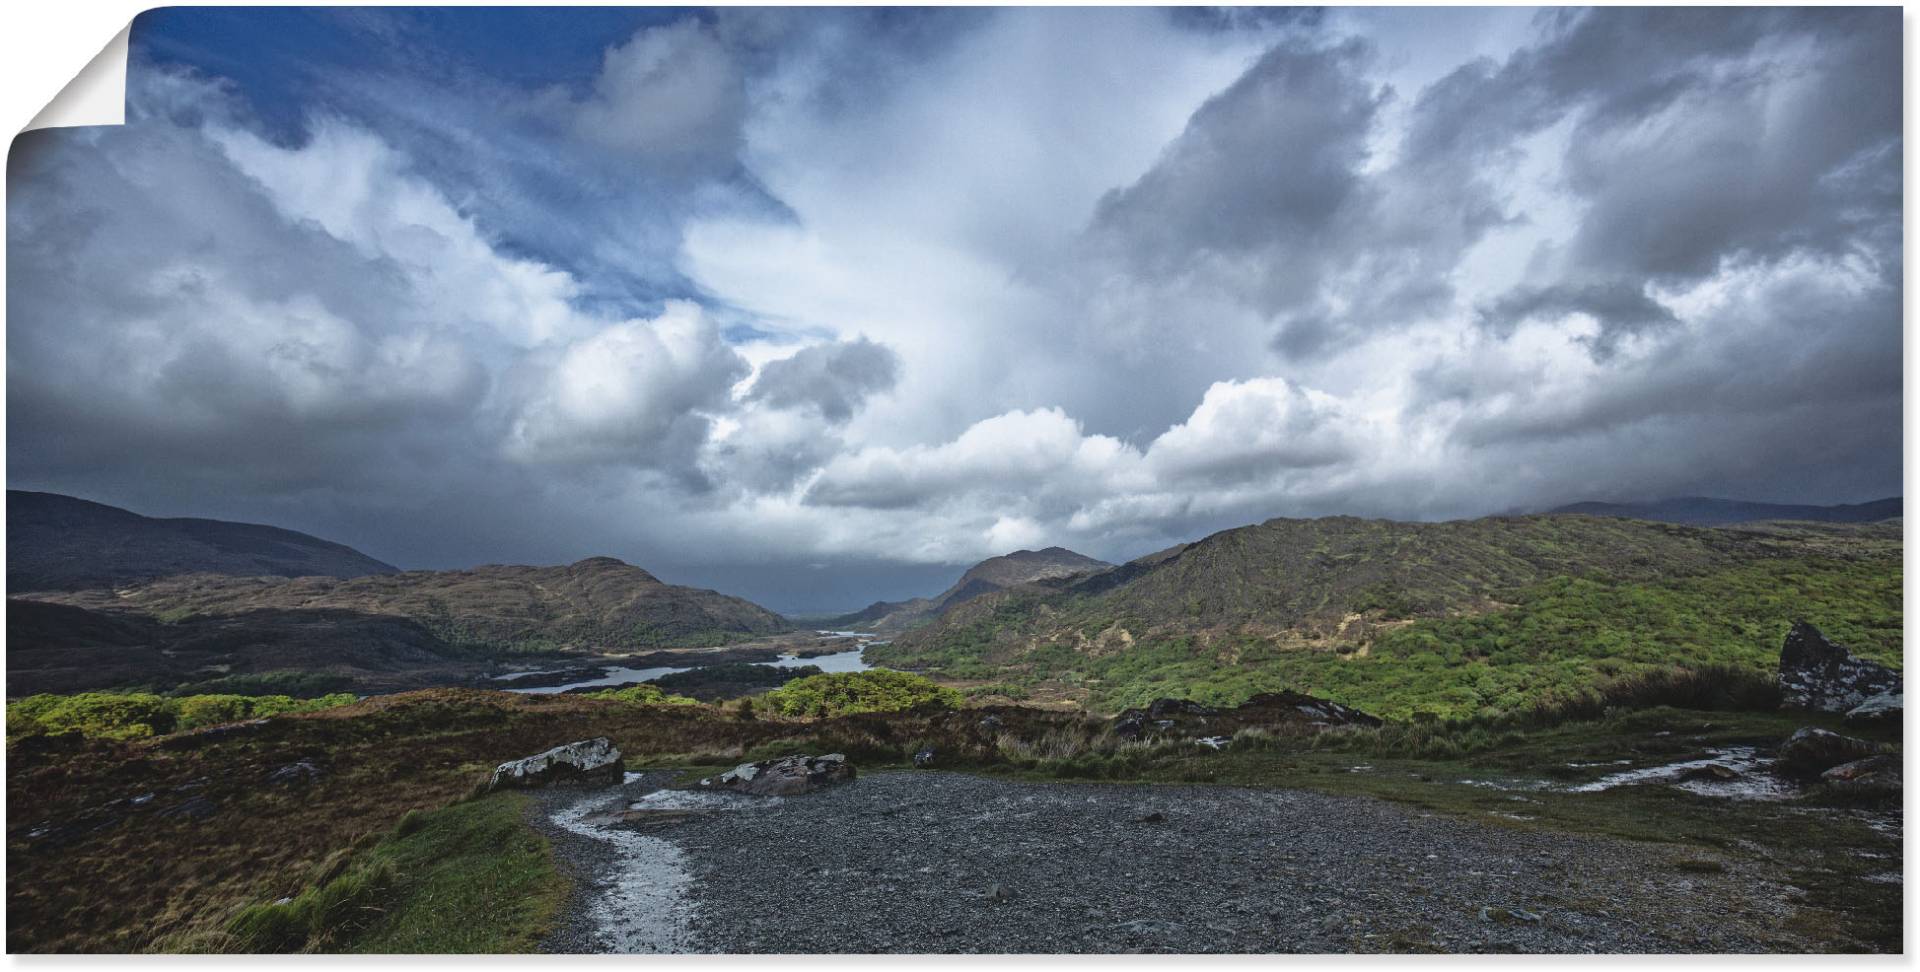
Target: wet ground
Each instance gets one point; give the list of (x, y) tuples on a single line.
[(948, 862)]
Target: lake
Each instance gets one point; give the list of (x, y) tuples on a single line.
[(842, 661)]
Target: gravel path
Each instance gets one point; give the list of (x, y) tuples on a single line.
[(946, 862)]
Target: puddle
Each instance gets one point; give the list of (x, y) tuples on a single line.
[(1504, 785), (1753, 782), (1753, 779), (696, 800), (645, 907)]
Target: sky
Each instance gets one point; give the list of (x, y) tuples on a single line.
[(818, 306)]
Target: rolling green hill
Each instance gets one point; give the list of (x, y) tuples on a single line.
[(985, 577), (1459, 618)]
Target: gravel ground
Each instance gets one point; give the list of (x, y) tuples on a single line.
[(946, 862)]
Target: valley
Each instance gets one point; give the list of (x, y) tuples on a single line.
[(1544, 733)]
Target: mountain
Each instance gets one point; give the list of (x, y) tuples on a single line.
[(990, 575), (599, 603), (1259, 607), (1706, 511), (64, 648), (57, 542)]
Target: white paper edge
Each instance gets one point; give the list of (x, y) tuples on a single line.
[(95, 96)]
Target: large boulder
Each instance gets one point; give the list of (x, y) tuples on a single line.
[(1817, 674), (1810, 752), (589, 762), (786, 776), (1875, 774)]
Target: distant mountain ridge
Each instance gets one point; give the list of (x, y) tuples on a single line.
[(57, 542), (596, 603), (1708, 511), (1313, 584), (986, 577)]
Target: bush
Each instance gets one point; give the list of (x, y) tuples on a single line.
[(137, 715), (846, 693), (642, 694)]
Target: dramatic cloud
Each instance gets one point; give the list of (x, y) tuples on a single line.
[(672, 97), (831, 379), (820, 304)]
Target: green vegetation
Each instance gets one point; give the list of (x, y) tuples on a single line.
[(300, 685), (1559, 641), (641, 694), (470, 878), (846, 693), (137, 715)]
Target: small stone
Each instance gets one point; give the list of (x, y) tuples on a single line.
[(1710, 773)]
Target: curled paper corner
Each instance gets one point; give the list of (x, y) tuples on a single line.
[(95, 96)]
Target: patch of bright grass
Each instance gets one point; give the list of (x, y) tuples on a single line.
[(470, 878)]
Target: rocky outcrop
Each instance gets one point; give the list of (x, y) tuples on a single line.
[(1161, 715), (1817, 674), (589, 762), (1276, 707), (1811, 752), (786, 776)]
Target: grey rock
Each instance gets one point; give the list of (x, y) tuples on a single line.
[(1817, 674), (786, 776), (298, 773), (589, 762), (1882, 709)]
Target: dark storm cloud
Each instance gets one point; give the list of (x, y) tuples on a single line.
[(1264, 168), (1266, 200), (1620, 309), (1699, 136), (831, 379)]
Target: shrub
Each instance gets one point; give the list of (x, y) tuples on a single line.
[(642, 694), (845, 693), (96, 715), (137, 715)]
